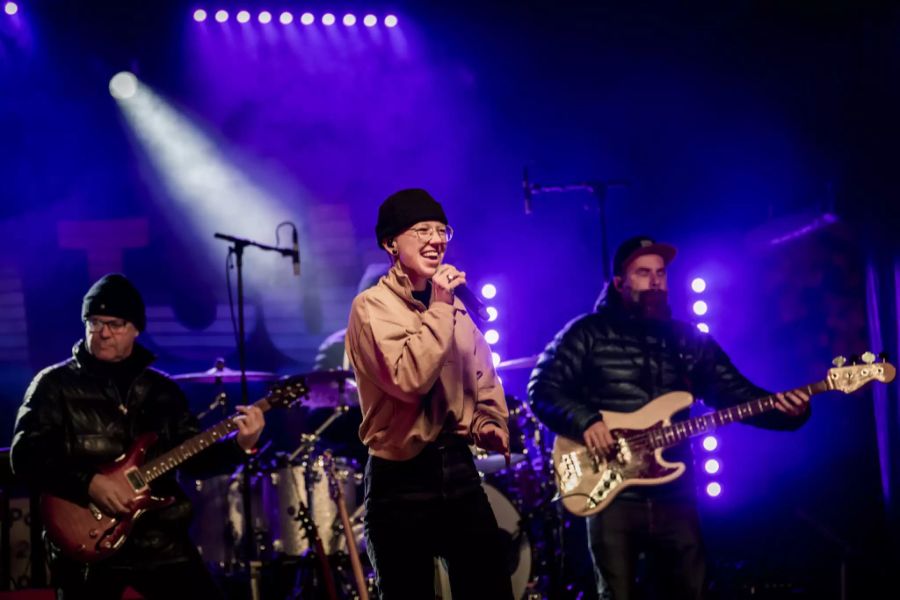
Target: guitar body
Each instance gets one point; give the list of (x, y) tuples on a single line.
[(87, 534), (587, 484)]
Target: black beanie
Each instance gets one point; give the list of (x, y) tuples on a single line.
[(404, 209), (114, 296)]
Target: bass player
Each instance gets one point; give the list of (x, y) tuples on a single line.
[(619, 358)]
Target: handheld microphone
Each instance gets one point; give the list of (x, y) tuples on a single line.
[(295, 257), (526, 187), (472, 302)]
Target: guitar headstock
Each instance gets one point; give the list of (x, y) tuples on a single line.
[(287, 392), (849, 378)]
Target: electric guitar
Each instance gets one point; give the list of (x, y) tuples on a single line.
[(587, 483), (87, 534), (337, 494)]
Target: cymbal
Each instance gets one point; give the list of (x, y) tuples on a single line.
[(222, 374), (330, 389), (491, 463), (526, 362)]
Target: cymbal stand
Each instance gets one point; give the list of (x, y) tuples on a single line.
[(221, 399), (308, 441)]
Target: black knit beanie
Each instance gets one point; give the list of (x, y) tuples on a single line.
[(114, 296), (404, 209)]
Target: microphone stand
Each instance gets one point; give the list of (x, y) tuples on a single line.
[(597, 188), (237, 248)]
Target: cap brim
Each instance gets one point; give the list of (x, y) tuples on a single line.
[(667, 251)]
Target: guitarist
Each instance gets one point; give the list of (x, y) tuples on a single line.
[(619, 358), (82, 414)]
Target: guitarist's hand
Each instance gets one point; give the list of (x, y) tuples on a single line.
[(110, 494), (250, 424), (598, 439), (794, 403)]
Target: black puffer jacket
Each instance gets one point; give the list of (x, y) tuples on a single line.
[(609, 360), (74, 420)]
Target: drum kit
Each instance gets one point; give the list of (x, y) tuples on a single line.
[(260, 508)]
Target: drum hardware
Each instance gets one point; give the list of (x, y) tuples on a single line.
[(308, 441), (221, 399), (219, 374)]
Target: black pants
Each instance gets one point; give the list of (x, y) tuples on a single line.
[(189, 580), (667, 531), (433, 505)]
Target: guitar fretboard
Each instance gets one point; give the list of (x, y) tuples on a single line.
[(164, 463), (670, 435)]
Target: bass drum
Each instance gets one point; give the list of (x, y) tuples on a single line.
[(516, 542)]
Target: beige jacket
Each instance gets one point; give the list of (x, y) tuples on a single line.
[(420, 371)]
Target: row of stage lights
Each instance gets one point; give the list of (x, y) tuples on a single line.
[(286, 18), (711, 465)]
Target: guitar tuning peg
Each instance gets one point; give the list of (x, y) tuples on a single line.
[(868, 358), (839, 361), (883, 356)]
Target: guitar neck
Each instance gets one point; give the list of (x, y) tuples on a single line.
[(670, 435), (164, 463)]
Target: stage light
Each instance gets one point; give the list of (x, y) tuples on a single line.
[(307, 18), (710, 443), (243, 16), (492, 336), (698, 285), (11, 8), (390, 21), (200, 15), (495, 358), (286, 18), (370, 20), (489, 290), (712, 466), (700, 307), (349, 20), (264, 17), (492, 313), (221, 16), (123, 85), (713, 489), (703, 327), (328, 19)]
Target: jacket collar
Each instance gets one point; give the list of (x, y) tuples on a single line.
[(398, 282), (140, 357)]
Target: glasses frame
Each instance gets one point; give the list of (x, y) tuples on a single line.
[(425, 234)]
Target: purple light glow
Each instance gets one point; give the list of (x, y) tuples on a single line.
[(492, 313), (264, 17), (390, 21), (703, 327), (700, 307), (11, 8), (307, 18), (328, 19), (489, 290), (492, 336), (370, 20), (221, 16), (698, 285), (349, 20), (495, 358), (286, 18), (243, 16), (200, 15), (712, 466), (710, 443), (713, 489)]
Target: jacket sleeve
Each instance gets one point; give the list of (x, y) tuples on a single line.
[(721, 385), (557, 383), (490, 404), (405, 362), (38, 454)]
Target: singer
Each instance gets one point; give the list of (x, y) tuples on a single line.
[(427, 389)]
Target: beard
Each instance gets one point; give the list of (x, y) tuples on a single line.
[(650, 304)]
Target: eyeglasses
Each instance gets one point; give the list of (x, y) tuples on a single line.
[(426, 233), (97, 325)]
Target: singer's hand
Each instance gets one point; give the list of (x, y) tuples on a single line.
[(445, 280)]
